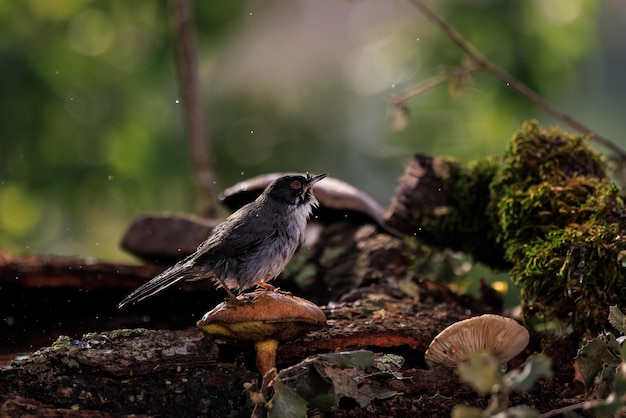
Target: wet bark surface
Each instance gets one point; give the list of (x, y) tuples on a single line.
[(186, 373), (149, 359), (183, 372)]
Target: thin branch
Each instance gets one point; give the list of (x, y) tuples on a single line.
[(429, 83), (585, 406), (416, 90), (560, 411), (189, 85), (512, 82)]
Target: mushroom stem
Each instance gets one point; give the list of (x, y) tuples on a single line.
[(265, 355)]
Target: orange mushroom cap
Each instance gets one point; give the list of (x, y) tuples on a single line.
[(264, 318)]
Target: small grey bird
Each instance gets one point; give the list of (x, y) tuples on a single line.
[(252, 246)]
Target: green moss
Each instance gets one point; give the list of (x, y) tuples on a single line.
[(547, 211), (567, 275), (555, 209), (460, 223)]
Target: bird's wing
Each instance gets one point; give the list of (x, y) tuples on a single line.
[(237, 237)]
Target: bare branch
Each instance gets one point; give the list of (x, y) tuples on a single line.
[(189, 85), (417, 89), (512, 82), (584, 406)]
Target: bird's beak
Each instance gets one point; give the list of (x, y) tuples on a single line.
[(312, 180)]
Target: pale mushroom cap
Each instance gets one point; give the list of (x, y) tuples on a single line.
[(503, 337)]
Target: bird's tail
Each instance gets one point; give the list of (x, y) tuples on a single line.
[(180, 271)]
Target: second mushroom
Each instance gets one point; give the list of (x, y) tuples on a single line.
[(503, 337)]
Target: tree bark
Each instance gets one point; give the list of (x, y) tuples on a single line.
[(363, 276)]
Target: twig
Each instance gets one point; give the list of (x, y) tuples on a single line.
[(416, 90), (189, 85), (568, 408), (512, 82), (585, 405), (429, 83)]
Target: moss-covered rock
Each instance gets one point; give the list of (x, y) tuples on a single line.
[(547, 211), (557, 216)]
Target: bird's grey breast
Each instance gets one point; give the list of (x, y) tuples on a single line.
[(286, 237)]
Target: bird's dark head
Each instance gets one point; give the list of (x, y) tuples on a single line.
[(293, 189)]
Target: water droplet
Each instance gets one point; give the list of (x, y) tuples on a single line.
[(177, 101), (251, 132)]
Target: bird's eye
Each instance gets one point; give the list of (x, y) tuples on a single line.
[(296, 185)]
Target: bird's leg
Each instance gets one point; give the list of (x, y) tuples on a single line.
[(266, 286), (269, 287), (232, 296)]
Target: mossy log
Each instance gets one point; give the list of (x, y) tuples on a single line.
[(547, 211), (444, 203)]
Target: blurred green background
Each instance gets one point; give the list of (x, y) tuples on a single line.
[(91, 131)]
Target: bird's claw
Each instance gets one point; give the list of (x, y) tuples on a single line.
[(270, 288), (243, 299)]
